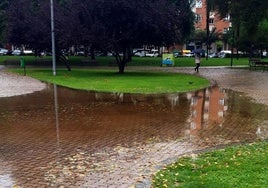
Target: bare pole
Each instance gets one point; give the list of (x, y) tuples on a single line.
[(53, 38)]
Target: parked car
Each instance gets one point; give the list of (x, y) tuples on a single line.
[(213, 55), (152, 53), (177, 54), (223, 53), (187, 53), (80, 53), (27, 52), (3, 51), (140, 52), (16, 52)]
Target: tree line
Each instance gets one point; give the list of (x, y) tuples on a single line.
[(249, 19), (118, 26), (112, 26)]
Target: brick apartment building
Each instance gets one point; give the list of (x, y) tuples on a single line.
[(221, 25)]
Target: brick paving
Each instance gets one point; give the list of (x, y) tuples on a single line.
[(119, 166)]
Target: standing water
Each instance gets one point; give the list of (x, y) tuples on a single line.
[(67, 138)]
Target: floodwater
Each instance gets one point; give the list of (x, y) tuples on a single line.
[(67, 138)]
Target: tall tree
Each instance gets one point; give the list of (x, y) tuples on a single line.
[(245, 14), (29, 24), (117, 26), (3, 20)]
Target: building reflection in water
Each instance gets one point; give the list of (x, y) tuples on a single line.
[(208, 107), (6, 179)]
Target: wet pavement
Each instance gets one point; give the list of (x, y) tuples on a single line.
[(12, 84), (59, 137)]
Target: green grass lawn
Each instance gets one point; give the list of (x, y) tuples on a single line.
[(111, 81), (243, 166), (136, 61)]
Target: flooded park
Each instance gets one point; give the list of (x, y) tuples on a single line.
[(59, 137)]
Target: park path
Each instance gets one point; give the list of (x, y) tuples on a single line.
[(12, 84)]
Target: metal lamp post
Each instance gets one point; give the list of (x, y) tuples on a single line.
[(53, 38)]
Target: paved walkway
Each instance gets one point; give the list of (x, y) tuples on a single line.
[(12, 84)]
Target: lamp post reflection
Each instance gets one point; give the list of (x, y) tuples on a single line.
[(57, 115)]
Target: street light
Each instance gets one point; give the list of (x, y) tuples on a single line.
[(53, 38)]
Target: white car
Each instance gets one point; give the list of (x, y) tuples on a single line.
[(16, 52), (188, 54), (223, 53), (213, 55), (139, 52), (27, 52), (3, 51), (153, 53)]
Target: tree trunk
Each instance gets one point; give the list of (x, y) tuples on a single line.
[(92, 53), (121, 63), (121, 68), (129, 55)]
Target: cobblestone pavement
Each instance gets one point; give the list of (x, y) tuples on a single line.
[(122, 166)]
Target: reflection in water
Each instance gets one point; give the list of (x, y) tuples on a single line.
[(6, 179), (208, 107), (67, 137), (57, 114)]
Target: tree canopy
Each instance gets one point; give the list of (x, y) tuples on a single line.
[(248, 19), (114, 26), (3, 21)]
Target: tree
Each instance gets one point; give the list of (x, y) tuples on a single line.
[(114, 26), (262, 36), (245, 19), (3, 20), (209, 7), (259, 43), (29, 24), (117, 26)]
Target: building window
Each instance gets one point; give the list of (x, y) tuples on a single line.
[(221, 102), (211, 21), (194, 101), (225, 30), (198, 4), (211, 27), (198, 17), (211, 14), (227, 18), (193, 126)]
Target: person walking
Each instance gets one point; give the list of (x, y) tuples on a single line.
[(197, 61)]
